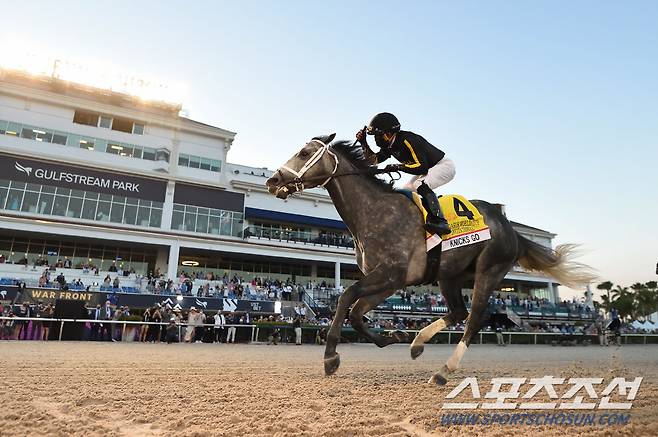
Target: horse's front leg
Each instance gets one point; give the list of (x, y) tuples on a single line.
[(382, 278)]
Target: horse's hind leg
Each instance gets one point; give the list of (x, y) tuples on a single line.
[(362, 306), (451, 291), (485, 282)]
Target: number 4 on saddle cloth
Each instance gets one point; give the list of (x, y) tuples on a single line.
[(467, 225)]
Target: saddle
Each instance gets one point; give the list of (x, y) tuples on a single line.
[(467, 226)]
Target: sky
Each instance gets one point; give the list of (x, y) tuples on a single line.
[(549, 107)]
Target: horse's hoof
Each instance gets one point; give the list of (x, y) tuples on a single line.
[(331, 365), (416, 351), (437, 379), (400, 336)]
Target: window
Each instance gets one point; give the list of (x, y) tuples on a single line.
[(59, 207), (13, 129), (122, 125), (85, 117), (130, 215), (14, 199), (33, 133), (195, 161), (114, 148), (177, 220), (138, 129), (116, 215), (156, 218), (106, 122), (202, 223), (59, 138), (65, 202), (74, 207), (190, 219), (82, 142), (45, 203), (213, 225), (148, 154), (89, 209), (143, 214), (204, 164), (137, 152), (3, 197), (127, 150), (199, 162), (73, 141), (30, 202), (103, 211), (87, 143)]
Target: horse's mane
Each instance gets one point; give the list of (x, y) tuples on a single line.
[(353, 152)]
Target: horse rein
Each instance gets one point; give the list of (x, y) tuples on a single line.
[(298, 183)]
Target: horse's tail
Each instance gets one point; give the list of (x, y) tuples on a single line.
[(557, 263)]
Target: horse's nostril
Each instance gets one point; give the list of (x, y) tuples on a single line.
[(273, 180)]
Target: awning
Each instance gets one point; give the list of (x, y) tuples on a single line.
[(293, 218)]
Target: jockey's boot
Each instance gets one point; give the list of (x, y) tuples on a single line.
[(436, 222)]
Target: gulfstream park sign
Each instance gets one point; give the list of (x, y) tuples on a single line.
[(73, 178), (60, 174)]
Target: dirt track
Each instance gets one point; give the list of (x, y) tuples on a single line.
[(117, 389)]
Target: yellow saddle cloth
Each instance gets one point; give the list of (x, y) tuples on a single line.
[(466, 223)]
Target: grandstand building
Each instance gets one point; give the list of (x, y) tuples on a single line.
[(102, 178)]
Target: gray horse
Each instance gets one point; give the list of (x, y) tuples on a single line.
[(389, 240)]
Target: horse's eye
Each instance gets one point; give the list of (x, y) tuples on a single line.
[(303, 154)]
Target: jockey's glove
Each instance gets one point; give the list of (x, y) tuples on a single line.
[(394, 167)]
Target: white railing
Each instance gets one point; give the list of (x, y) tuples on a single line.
[(534, 335), (255, 329)]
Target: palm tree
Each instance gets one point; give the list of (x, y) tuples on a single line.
[(624, 301), (607, 286), (604, 305), (646, 297)]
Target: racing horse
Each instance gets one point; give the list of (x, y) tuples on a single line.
[(389, 240)]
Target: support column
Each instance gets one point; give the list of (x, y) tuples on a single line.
[(553, 290), (168, 206), (314, 271), (161, 262), (172, 266), (337, 274)]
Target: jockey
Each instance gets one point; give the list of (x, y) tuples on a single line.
[(430, 167)]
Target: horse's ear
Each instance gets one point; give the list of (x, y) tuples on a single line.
[(326, 138)]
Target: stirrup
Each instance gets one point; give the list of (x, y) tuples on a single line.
[(440, 227)]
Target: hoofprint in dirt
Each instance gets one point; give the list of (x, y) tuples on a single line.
[(85, 388)]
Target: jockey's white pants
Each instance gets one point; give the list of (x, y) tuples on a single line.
[(442, 173)]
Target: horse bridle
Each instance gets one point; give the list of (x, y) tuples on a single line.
[(298, 183)]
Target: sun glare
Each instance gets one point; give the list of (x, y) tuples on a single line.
[(97, 75)]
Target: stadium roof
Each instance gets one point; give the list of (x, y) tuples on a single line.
[(530, 228)]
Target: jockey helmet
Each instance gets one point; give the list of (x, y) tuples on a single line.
[(383, 123)]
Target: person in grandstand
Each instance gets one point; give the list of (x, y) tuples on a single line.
[(191, 325), (499, 335), (297, 325), (230, 335), (172, 331), (274, 337), (220, 321)]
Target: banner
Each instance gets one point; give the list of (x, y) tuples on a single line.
[(79, 178), (135, 301), (49, 295)]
